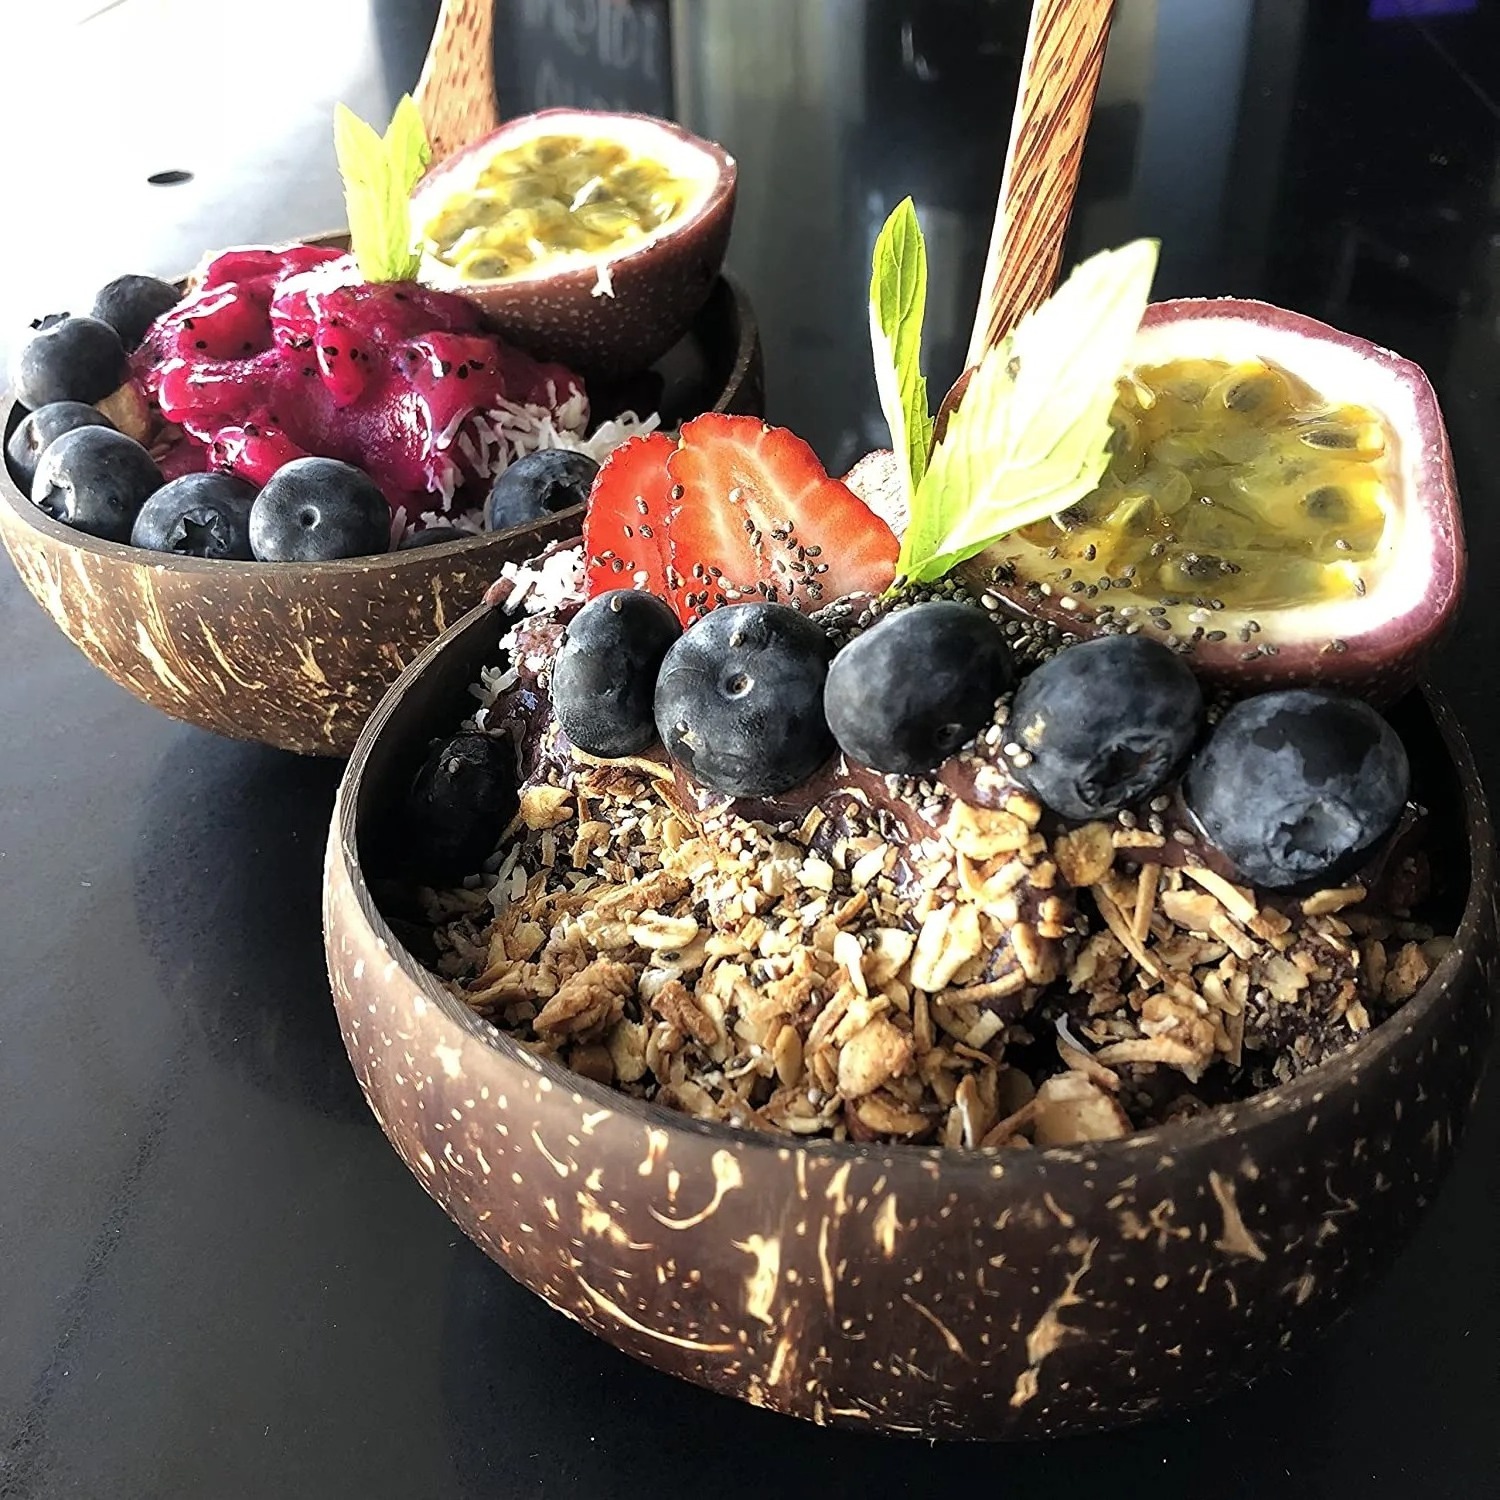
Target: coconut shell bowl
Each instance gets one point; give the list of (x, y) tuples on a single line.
[(297, 655), (988, 1294)]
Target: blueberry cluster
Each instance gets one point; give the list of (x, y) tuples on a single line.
[(752, 700), (97, 480), (79, 469), (1291, 787)]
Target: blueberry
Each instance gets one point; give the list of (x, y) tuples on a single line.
[(537, 486), (604, 678), (1105, 723), (316, 510), (739, 702), (1298, 785), (198, 515), (42, 427), (68, 359), (907, 694), (457, 807), (95, 479), (432, 536), (131, 304)]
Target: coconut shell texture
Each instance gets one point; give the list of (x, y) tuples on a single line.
[(603, 326), (1024, 1293), (288, 654)]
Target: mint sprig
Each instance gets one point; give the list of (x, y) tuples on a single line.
[(379, 173), (898, 303), (1031, 435)]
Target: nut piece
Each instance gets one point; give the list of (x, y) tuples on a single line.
[(661, 933), (885, 1116), (1085, 855), (948, 940), (1321, 903), (1406, 974), (1071, 1108), (786, 1054), (627, 1051), (889, 949), (982, 832), (1194, 910), (545, 806), (872, 1057), (849, 956), (590, 1001), (676, 1006)]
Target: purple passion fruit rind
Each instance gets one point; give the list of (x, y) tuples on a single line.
[(611, 312), (1371, 643)]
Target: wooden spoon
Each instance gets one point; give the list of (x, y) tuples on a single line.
[(1059, 79), (456, 92)]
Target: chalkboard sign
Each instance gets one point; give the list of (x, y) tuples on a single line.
[(584, 54)]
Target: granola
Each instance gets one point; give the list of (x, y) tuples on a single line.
[(885, 958), (978, 985)]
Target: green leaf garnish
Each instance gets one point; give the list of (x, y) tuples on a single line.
[(898, 301), (1031, 435), (379, 173)]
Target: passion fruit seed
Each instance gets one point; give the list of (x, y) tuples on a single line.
[(552, 195), (1229, 485)]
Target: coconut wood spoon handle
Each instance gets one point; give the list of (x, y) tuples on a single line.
[(1059, 78), (456, 92)]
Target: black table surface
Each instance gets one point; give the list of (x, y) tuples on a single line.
[(216, 1278)]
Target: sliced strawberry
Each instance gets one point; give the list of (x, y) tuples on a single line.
[(755, 515), (624, 530)]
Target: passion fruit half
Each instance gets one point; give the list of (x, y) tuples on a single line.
[(589, 237), (1280, 506)]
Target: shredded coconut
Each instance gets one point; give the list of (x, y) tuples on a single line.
[(494, 440), (1062, 1030)]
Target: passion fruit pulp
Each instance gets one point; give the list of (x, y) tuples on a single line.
[(1279, 506), (554, 195), (1230, 486), (590, 237)]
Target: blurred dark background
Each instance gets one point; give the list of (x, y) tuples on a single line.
[(1339, 156)]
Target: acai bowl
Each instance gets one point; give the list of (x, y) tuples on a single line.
[(160, 422), (839, 986)]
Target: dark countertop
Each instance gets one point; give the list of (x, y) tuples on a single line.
[(216, 1278)]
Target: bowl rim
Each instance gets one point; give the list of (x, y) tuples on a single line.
[(1240, 1117), (29, 516)]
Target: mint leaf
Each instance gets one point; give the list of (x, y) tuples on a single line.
[(1031, 435), (379, 173), (406, 142), (898, 302)]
